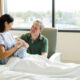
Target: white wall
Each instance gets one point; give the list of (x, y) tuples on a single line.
[(68, 43)]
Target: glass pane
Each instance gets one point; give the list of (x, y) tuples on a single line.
[(26, 11), (67, 14)]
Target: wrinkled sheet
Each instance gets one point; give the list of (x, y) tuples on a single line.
[(38, 68)]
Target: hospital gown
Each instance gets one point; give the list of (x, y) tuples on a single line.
[(8, 40)]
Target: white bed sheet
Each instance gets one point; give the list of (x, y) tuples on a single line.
[(38, 68), (13, 75)]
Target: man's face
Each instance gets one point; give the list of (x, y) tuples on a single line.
[(35, 29)]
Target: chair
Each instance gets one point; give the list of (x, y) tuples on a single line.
[(51, 34)]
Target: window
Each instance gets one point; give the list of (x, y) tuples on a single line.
[(67, 14), (26, 11)]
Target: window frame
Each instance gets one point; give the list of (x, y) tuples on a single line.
[(61, 30), (53, 19), (5, 11)]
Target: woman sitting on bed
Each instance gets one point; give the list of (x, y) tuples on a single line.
[(9, 46)]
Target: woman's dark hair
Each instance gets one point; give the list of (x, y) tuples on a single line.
[(5, 18)]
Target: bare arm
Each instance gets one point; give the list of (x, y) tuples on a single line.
[(6, 53)]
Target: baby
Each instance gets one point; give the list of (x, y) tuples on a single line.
[(22, 51)]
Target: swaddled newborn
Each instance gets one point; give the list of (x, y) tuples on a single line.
[(21, 52)]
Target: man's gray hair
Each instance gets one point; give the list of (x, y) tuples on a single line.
[(40, 23)]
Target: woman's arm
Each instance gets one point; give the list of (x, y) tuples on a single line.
[(6, 53)]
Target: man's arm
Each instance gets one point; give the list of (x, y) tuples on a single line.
[(44, 51)]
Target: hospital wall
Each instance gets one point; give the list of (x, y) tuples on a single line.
[(68, 44)]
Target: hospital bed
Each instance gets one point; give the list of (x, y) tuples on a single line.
[(35, 67), (38, 68)]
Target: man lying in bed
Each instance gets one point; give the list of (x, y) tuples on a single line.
[(9, 46), (38, 44)]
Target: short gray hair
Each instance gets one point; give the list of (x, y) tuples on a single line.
[(40, 23)]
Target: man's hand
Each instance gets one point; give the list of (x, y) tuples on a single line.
[(24, 44), (18, 44), (44, 54)]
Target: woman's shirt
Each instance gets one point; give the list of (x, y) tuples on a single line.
[(7, 39)]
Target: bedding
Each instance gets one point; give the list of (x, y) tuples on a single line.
[(13, 75), (35, 67)]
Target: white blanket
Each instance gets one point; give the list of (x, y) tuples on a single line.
[(38, 68)]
